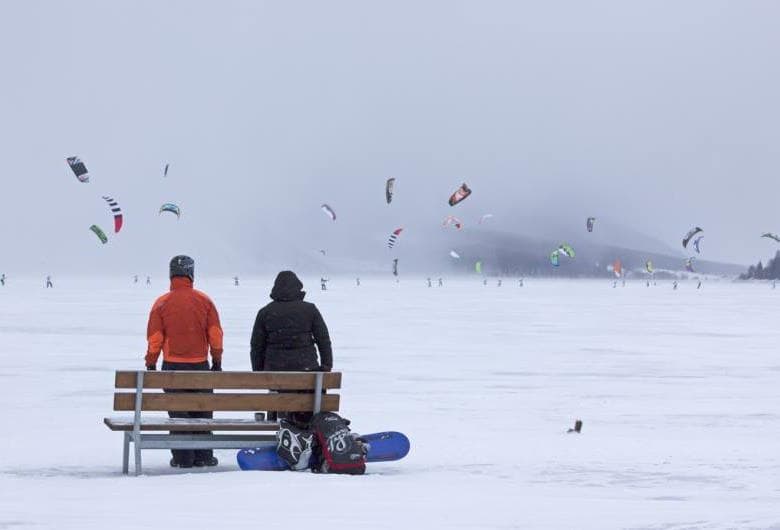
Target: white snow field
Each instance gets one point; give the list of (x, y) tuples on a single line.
[(678, 392)]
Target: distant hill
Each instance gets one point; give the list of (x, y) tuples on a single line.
[(511, 254)]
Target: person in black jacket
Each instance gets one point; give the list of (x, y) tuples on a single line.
[(287, 329)]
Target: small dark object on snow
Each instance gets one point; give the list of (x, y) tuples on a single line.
[(577, 427)]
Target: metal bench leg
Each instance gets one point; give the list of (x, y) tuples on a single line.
[(139, 390), (137, 447), (126, 453)]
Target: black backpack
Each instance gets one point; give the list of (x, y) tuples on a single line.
[(340, 450), (294, 445)]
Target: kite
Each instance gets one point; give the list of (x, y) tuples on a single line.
[(689, 264), (692, 232), (99, 233), (460, 194), (78, 167), (649, 267), (394, 237), (454, 254), (566, 249), (389, 185), (589, 223), (329, 212), (772, 236), (485, 217), (451, 220), (172, 208), (395, 267), (478, 267), (165, 171), (696, 243), (117, 211)]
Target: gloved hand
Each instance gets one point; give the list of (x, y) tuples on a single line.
[(151, 367), (216, 366)]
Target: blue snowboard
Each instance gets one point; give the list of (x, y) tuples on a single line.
[(383, 447)]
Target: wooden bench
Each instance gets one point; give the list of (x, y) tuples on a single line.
[(254, 395)]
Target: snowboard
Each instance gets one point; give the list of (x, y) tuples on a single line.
[(382, 447)]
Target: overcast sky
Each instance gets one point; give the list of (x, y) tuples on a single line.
[(652, 116)]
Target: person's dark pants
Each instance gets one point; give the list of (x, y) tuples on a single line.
[(186, 457)]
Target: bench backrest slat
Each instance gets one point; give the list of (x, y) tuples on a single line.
[(200, 402), (229, 380)]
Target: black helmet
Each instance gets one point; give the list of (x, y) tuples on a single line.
[(183, 266)]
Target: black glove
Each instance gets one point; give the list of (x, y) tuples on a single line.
[(151, 367), (216, 366), (326, 368)]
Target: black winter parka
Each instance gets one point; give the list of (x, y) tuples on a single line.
[(287, 329)]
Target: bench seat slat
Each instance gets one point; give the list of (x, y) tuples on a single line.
[(228, 380), (190, 424), (204, 402)]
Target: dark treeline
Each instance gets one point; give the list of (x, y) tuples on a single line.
[(759, 272)]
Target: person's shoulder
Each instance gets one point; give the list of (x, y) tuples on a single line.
[(202, 296), (266, 307), (311, 306), (161, 300)]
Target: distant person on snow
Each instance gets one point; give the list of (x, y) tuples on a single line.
[(184, 324), (441, 283), (48, 282), (429, 282), (2, 279), (235, 281), (135, 279), (148, 280)]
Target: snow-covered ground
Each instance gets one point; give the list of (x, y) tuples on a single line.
[(678, 391)]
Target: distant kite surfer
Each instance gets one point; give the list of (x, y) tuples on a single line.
[(235, 281), (323, 284), (429, 282), (357, 281), (441, 283), (2, 280), (49, 285), (148, 280)]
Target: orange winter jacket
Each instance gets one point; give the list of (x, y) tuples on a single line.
[(183, 323)]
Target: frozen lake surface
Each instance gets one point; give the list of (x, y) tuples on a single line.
[(678, 392)]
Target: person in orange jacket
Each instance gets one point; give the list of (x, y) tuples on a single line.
[(184, 324)]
